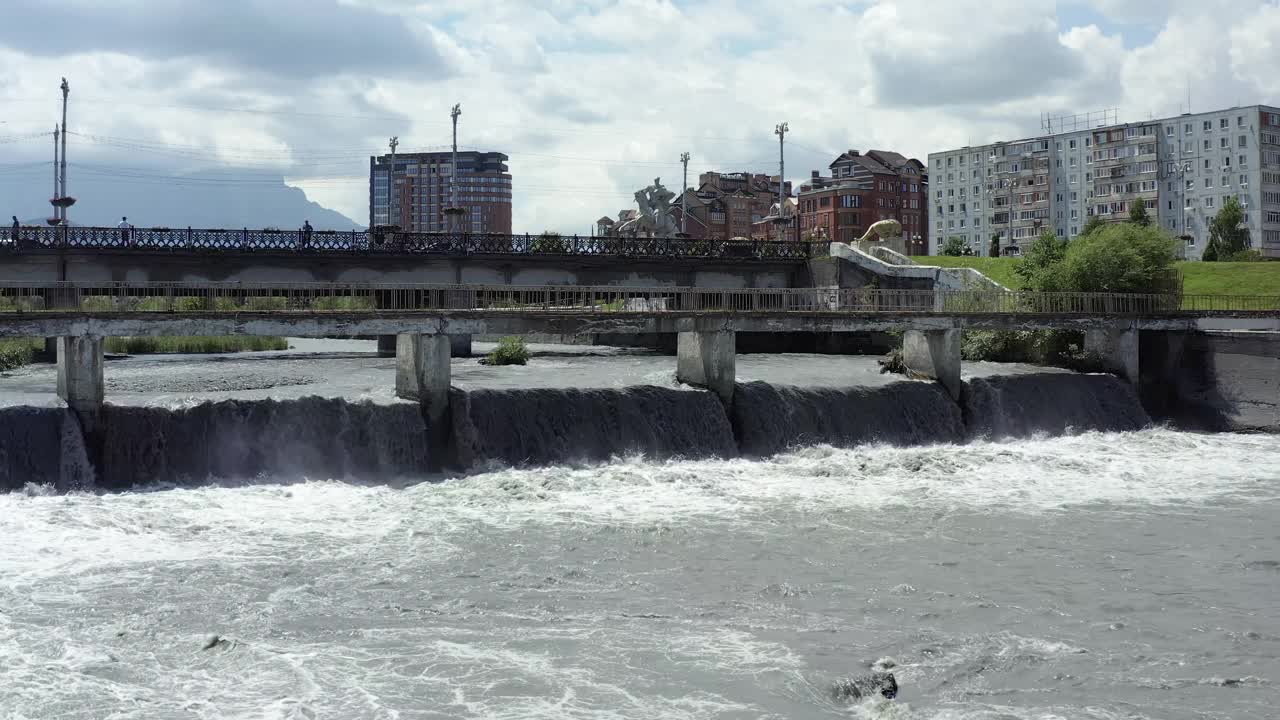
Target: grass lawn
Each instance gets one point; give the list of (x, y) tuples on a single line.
[(1199, 278)]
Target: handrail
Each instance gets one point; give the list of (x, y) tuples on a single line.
[(392, 242), (20, 298)]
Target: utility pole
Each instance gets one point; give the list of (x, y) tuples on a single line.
[(453, 172), (66, 90), (684, 190), (781, 131), (394, 142), (57, 134)]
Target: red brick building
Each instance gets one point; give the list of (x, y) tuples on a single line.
[(729, 205), (862, 190)]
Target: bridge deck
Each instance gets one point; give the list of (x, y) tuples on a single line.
[(53, 309)]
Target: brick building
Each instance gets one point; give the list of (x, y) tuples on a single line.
[(729, 205), (864, 189), (414, 194)]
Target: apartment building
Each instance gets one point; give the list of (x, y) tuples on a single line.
[(729, 204), (1182, 168), (1207, 158), (415, 192), (864, 189), (998, 189)]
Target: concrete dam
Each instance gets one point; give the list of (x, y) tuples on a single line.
[(340, 438)]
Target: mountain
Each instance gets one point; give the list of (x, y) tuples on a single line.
[(201, 200)]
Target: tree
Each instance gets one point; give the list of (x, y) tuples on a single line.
[(1226, 238), (1138, 213), (1041, 265), (550, 242), (955, 246), (995, 245), (1120, 258), (1093, 223)]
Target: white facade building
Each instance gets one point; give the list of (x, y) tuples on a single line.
[(1183, 168)]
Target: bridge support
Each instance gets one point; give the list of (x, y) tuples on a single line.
[(934, 354), (1118, 348), (423, 374), (708, 359), (80, 378)]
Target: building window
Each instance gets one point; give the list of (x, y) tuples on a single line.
[(1208, 125), (1242, 141), (1072, 179), (1187, 128), (1239, 121), (1168, 131), (1208, 202), (1224, 124), (1208, 182)]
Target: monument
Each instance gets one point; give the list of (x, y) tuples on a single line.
[(654, 218)]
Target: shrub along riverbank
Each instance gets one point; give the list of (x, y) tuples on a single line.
[(15, 353)]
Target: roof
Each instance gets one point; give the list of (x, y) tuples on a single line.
[(889, 158), (604, 220), (867, 163)]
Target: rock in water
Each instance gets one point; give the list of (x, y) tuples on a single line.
[(858, 688), (211, 642)]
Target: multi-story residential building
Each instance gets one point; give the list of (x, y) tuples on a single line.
[(1001, 189), (415, 193), (729, 205), (1182, 168), (864, 189)]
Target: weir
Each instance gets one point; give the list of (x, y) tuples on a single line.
[(332, 438)]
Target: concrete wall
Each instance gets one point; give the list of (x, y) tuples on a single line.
[(1220, 381), (105, 266)]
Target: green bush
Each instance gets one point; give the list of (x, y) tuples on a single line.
[(510, 351), (348, 302), (550, 242), (197, 344), (1060, 348), (16, 353)]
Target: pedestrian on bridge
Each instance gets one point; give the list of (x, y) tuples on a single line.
[(16, 227), (124, 228), (306, 233)]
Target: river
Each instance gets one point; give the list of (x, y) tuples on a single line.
[(1072, 574)]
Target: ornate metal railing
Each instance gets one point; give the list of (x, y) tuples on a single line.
[(152, 240), (233, 298)]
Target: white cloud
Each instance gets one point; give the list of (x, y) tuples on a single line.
[(593, 99)]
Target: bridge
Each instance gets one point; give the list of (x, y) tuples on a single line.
[(95, 254), (428, 321)]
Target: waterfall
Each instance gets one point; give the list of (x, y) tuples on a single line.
[(1016, 406), (333, 438), (771, 418), (565, 425)]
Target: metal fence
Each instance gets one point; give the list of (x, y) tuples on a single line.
[(395, 242), (223, 298)]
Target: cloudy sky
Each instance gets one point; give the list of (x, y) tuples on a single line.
[(592, 98)]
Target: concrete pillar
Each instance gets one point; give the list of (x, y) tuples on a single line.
[(934, 354), (422, 373), (80, 377), (708, 359), (1118, 348), (460, 346), (386, 346)]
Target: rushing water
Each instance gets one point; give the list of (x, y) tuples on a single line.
[(1092, 575)]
